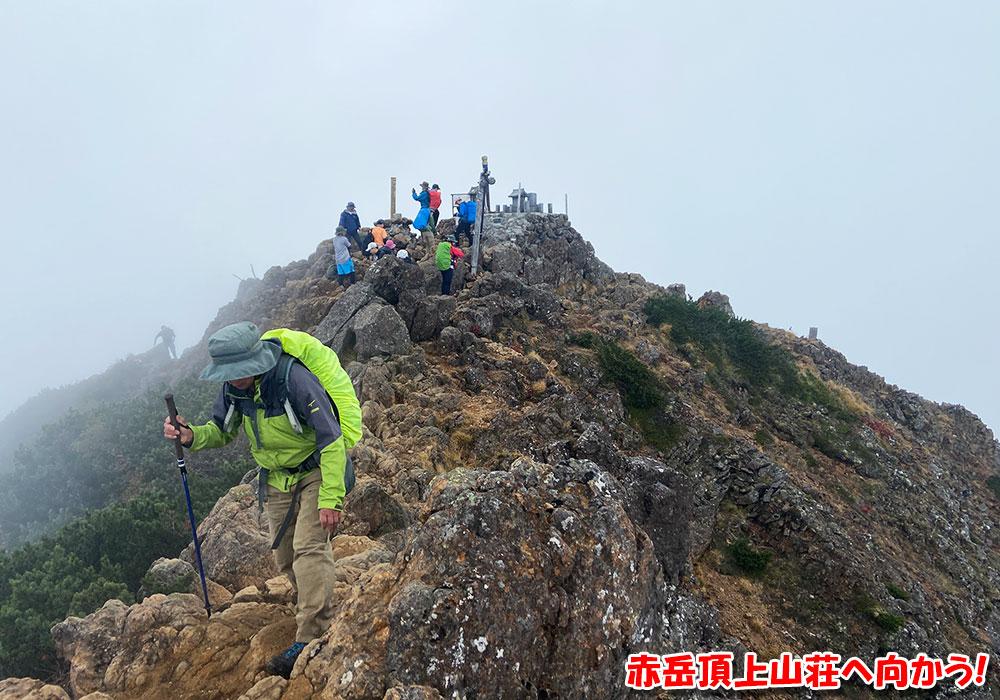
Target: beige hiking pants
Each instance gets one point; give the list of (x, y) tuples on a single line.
[(304, 556)]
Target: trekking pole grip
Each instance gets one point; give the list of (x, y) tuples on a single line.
[(172, 412)]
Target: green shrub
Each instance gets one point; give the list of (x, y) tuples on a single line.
[(887, 621), (763, 438), (747, 559), (587, 339), (897, 592), (737, 345), (994, 484), (639, 385)]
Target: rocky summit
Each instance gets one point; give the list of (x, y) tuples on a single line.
[(562, 466)]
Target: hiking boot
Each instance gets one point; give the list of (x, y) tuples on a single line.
[(281, 664)]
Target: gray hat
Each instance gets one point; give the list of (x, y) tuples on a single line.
[(238, 352), (350, 204), (451, 237), (340, 230)]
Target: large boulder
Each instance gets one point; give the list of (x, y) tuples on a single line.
[(431, 315), (235, 544), (32, 689), (379, 331), (168, 642), (530, 582), (506, 257), (336, 330), (372, 512), (390, 277)]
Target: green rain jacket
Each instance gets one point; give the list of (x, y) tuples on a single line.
[(273, 442)]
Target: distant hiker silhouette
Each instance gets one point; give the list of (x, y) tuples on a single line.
[(168, 339)]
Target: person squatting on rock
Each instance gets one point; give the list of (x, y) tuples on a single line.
[(342, 259), (466, 217), (305, 473), (168, 339), (352, 223), (378, 233), (444, 258), (435, 196), (423, 222)]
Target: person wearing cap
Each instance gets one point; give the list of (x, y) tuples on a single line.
[(352, 223), (444, 260), (435, 202), (342, 258), (423, 222), (405, 257), (466, 217), (304, 471)]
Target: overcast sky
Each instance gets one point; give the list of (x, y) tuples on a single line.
[(830, 164)]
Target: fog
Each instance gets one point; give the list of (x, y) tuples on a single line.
[(829, 164)]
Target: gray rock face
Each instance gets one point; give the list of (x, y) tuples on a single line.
[(557, 542), (373, 512), (379, 331), (168, 575), (337, 329), (716, 300), (431, 315), (390, 277), (677, 289), (506, 257)]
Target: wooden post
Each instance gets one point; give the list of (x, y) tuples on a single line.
[(392, 200)]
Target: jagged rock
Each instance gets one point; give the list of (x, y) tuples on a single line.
[(505, 258), (270, 688), (336, 330), (431, 315), (235, 544), (390, 277), (412, 692), (380, 331), (31, 689), (660, 503), (677, 289), (557, 567), (716, 300), (373, 512), (131, 652), (178, 576)]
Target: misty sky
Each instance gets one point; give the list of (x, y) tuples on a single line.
[(823, 163)]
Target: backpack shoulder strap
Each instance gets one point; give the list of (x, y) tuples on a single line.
[(284, 368)]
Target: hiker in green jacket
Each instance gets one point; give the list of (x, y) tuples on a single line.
[(304, 471), (444, 260)]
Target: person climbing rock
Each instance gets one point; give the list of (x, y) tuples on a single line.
[(296, 437), (444, 259), (352, 224), (167, 334), (423, 222)]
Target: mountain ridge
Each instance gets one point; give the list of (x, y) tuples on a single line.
[(770, 501)]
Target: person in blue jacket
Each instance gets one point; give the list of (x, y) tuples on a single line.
[(424, 221), (350, 221), (466, 217)]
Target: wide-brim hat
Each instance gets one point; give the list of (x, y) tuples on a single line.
[(238, 352), (425, 184)]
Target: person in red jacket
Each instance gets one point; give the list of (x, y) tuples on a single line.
[(435, 194)]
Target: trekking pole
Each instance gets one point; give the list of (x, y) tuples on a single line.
[(172, 410)]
